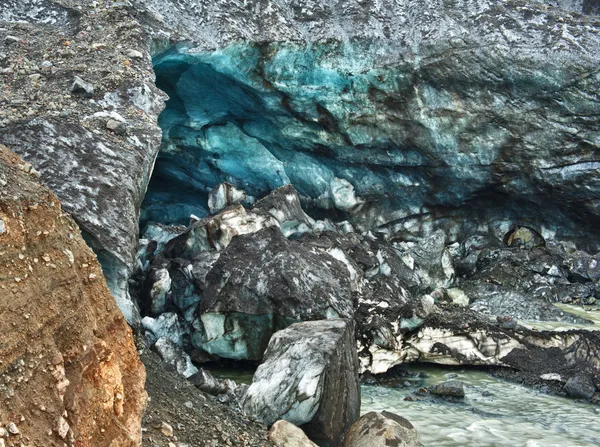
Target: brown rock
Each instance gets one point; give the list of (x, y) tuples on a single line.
[(74, 355), (286, 434), (381, 430)]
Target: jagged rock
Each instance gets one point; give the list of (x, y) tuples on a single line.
[(245, 302), (382, 430), (65, 345), (223, 195), (430, 259), (309, 377), (217, 232), (523, 283), (285, 434), (81, 87), (174, 355), (451, 388)]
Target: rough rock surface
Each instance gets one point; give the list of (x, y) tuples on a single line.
[(69, 369), (286, 434), (100, 175), (382, 430), (309, 377), (245, 302)]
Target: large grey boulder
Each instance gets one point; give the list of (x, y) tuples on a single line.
[(309, 377), (261, 283), (382, 430)]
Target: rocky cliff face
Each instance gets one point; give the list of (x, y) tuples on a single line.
[(69, 370)]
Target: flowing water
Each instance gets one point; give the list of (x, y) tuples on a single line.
[(494, 412)]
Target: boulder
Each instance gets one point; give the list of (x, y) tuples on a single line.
[(309, 377), (382, 430), (65, 346), (286, 434), (451, 388), (262, 283), (580, 387)]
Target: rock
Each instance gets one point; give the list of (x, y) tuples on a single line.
[(458, 297), (285, 434), (12, 428), (216, 232), (205, 381), (9, 40), (118, 127), (81, 87), (245, 302), (524, 237), (134, 54), (223, 195), (175, 356), (309, 377), (382, 430), (62, 427), (580, 387), (451, 388), (166, 429), (506, 321), (78, 350)]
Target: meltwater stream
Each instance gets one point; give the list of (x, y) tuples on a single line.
[(494, 413)]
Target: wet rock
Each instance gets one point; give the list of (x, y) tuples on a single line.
[(245, 302), (524, 237), (285, 434), (382, 430), (580, 387), (507, 322), (309, 377), (451, 388), (81, 87), (223, 195)]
